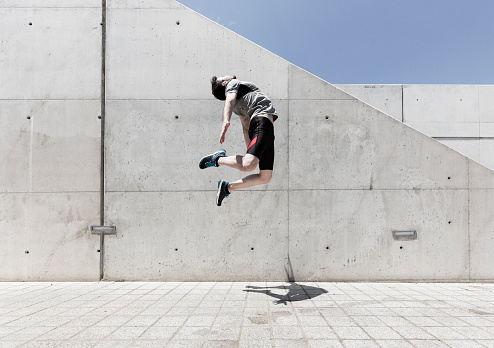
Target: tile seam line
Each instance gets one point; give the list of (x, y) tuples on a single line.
[(102, 339), (184, 324), (145, 309)]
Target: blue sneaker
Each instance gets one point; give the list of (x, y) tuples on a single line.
[(222, 186), (212, 159)]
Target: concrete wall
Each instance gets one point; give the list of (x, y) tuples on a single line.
[(50, 67), (461, 117), (346, 175)]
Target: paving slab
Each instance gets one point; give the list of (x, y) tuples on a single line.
[(235, 314)]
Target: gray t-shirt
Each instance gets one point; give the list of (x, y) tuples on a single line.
[(250, 100)]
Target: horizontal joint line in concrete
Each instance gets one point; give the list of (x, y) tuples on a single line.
[(299, 190), (49, 99), (374, 189), (463, 138), (212, 99), (147, 8), (41, 192), (321, 99), (161, 99), (185, 191), (49, 7)]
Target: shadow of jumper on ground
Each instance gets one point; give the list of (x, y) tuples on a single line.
[(296, 292)]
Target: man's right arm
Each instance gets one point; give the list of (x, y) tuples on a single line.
[(227, 114)]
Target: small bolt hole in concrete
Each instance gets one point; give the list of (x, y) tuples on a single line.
[(29, 117), (26, 252), (449, 222), (30, 23), (178, 22), (401, 247), (252, 249), (176, 117), (176, 249), (449, 178)]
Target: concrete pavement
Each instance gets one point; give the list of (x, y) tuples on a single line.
[(161, 314)]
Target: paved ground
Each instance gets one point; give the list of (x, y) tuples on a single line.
[(148, 314)]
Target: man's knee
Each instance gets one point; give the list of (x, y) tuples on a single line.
[(265, 177), (249, 163), (264, 181), (249, 167)]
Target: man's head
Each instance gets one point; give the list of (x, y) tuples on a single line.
[(218, 85)]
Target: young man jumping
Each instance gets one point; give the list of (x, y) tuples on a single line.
[(257, 115)]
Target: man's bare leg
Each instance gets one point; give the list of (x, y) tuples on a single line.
[(262, 178), (245, 163)]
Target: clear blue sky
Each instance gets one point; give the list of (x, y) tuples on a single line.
[(369, 41)]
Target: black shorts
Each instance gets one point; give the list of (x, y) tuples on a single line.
[(261, 135)]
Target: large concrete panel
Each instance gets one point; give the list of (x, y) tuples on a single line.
[(386, 98), (50, 53), (15, 146), (50, 145), (45, 237), (486, 104), (185, 236), (440, 103), (172, 54), (481, 233), (156, 145), (486, 130), (347, 235), (359, 147)]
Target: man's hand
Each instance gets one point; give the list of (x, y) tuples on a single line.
[(224, 128)]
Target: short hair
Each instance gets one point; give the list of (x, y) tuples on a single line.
[(218, 90)]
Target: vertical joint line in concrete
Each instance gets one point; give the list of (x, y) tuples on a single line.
[(479, 119), (103, 117), (402, 106), (289, 263), (468, 224)]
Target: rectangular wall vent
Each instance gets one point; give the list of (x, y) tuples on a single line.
[(404, 235)]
